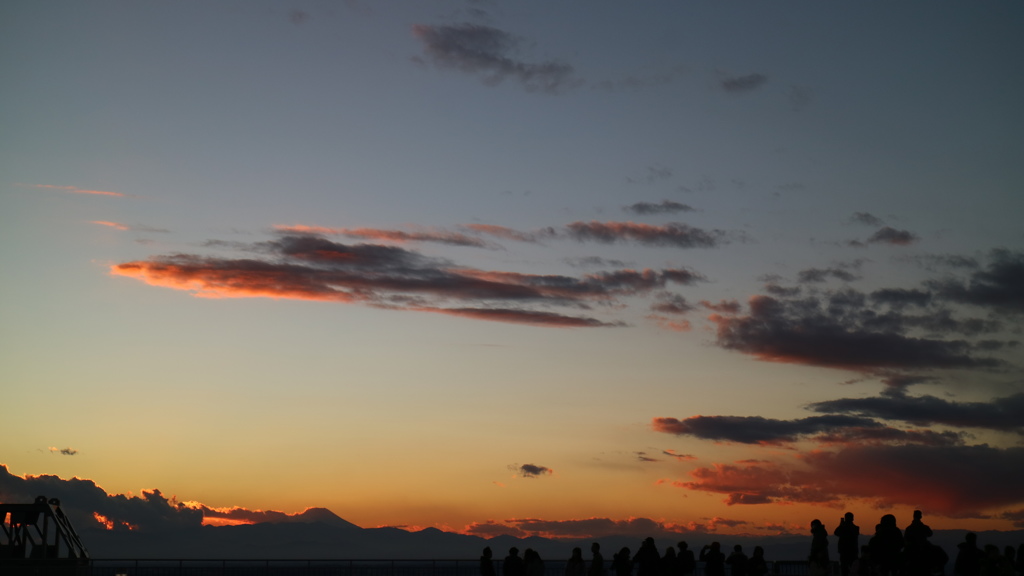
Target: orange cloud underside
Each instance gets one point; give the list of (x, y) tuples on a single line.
[(215, 283), (208, 521)]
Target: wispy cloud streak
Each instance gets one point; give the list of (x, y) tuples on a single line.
[(75, 190), (308, 267)]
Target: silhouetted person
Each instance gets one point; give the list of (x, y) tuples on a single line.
[(669, 565), (757, 565), (513, 564), (737, 561), (486, 564), (533, 564), (886, 545), (818, 563), (713, 558), (596, 561), (687, 563), (918, 531), (647, 559), (849, 542), (968, 556), (918, 553), (622, 564), (576, 566)]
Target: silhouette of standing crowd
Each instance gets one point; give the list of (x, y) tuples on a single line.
[(889, 552), (908, 552)]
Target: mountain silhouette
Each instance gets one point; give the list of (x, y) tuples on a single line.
[(321, 515)]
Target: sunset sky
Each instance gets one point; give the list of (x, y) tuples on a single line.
[(503, 267)]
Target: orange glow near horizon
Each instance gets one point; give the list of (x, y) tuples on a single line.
[(211, 521)]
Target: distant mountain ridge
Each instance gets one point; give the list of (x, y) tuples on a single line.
[(322, 515), (318, 533)]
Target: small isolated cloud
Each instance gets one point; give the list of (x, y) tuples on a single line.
[(890, 235), (65, 451), (664, 207), (678, 456), (74, 190), (489, 53), (114, 225), (532, 470), (126, 227), (747, 83)]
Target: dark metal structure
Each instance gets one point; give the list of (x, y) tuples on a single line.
[(37, 539)]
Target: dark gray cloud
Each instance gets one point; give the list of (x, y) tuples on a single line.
[(900, 298), (817, 275), (889, 235), (747, 83), (151, 511), (1006, 414), (757, 429), (672, 304), (64, 451), (723, 306), (664, 207), (899, 382), (533, 470), (937, 262), (782, 291), (866, 218), (842, 330), (674, 234), (488, 52), (999, 285)]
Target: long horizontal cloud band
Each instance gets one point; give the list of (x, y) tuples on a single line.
[(310, 267)]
